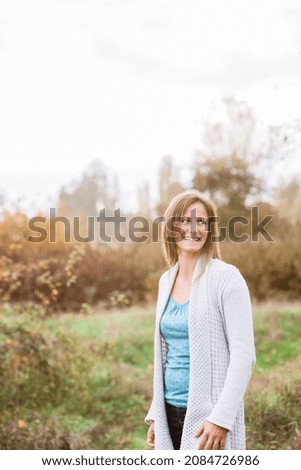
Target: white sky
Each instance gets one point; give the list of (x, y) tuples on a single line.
[(128, 81)]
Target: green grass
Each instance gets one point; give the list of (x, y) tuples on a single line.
[(278, 333), (122, 336), (85, 380)]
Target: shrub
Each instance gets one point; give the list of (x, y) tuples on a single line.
[(273, 419), (40, 434), (64, 276), (39, 367), (58, 391)]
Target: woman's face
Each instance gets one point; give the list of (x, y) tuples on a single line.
[(192, 229)]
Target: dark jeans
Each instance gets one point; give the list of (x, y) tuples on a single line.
[(175, 419)]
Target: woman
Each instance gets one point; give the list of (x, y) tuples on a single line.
[(204, 342)]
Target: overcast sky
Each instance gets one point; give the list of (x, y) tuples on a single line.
[(129, 81)]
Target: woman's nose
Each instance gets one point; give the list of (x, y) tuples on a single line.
[(192, 228)]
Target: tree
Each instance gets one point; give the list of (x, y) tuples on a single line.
[(288, 199), (144, 200), (236, 163), (169, 183), (91, 193), (228, 181)]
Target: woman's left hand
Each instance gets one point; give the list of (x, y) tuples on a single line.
[(213, 436)]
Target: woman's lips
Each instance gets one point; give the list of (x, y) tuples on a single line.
[(195, 239)]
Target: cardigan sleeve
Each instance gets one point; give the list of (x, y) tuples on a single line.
[(238, 324), (150, 417)]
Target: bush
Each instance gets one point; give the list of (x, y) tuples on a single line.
[(273, 419), (39, 434), (271, 269), (39, 367), (64, 276), (58, 391)]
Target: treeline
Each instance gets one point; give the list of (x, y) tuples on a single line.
[(43, 262), (71, 274), (77, 275)]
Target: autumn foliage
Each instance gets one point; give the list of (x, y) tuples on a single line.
[(71, 275)]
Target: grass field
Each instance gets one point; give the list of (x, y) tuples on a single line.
[(75, 381)]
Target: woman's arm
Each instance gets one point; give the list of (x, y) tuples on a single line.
[(237, 314), (149, 419), (151, 436), (151, 413)]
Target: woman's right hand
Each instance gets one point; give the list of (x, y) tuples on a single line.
[(151, 436)]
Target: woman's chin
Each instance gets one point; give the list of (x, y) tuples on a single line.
[(189, 246)]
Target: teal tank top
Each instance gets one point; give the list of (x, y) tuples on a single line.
[(174, 329)]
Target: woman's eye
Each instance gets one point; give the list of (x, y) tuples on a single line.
[(184, 220), (187, 221)]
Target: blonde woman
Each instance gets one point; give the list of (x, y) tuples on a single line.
[(204, 344)]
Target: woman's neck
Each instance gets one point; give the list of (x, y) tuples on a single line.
[(187, 264)]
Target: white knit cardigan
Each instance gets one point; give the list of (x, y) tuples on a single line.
[(222, 354)]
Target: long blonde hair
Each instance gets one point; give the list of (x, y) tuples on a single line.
[(177, 208)]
